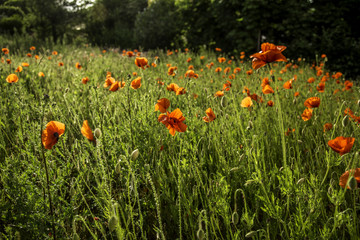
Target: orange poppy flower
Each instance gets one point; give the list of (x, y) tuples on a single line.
[(323, 55), (341, 144), (189, 59), (296, 94), (85, 80), (226, 70), (51, 134), (190, 73), (312, 102), (136, 83), (195, 95), (267, 89), (24, 64), (237, 70), (288, 84), (29, 55), (86, 131), (54, 53), (41, 74), (61, 64), (37, 57), (114, 87), (109, 81), (5, 51), (12, 78), (171, 71), (173, 121), (337, 75), (32, 48), (321, 87), (202, 57), (287, 133), (162, 105), (336, 91), (218, 49), (345, 177), (180, 91), (8, 61), (218, 69), (270, 103), (219, 94), (348, 85), (172, 87), (141, 62), (327, 127), (78, 66), (227, 86), (221, 59), (210, 115), (19, 69), (249, 72), (269, 53), (130, 53), (246, 102), (307, 114)]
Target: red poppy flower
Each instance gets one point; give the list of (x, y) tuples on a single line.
[(210, 115), (269, 53), (136, 83), (312, 102), (12, 78), (86, 131), (162, 105), (51, 134), (141, 62), (341, 144), (173, 121), (345, 177)]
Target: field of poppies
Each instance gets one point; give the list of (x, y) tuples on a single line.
[(125, 144)]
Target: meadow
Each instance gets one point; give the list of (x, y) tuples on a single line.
[(211, 149)]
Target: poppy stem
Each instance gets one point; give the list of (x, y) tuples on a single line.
[(47, 176)]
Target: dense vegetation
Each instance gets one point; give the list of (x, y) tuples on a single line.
[(306, 27), (264, 163)]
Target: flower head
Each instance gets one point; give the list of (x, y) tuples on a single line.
[(141, 62), (12, 78), (341, 144), (86, 131), (136, 83), (162, 105), (51, 134), (345, 177), (269, 53), (210, 115), (173, 121), (312, 102)]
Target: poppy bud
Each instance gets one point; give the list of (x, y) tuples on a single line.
[(200, 234), (135, 154), (113, 223), (352, 183), (250, 234), (300, 181), (345, 121), (118, 167), (147, 167), (235, 218), (97, 133), (72, 191)]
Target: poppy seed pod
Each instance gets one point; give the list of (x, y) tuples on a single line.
[(113, 223), (345, 121), (97, 133), (118, 167), (200, 234), (235, 218), (135, 154)]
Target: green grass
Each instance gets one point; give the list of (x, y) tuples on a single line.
[(237, 177)]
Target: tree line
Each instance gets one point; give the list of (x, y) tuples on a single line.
[(308, 28)]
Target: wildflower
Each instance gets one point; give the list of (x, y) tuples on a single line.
[(180, 91), (173, 121), (307, 114), (24, 64), (269, 53), (8, 61), (288, 85), (327, 127), (190, 73), (29, 55), (341, 144), (246, 102), (85, 80), (86, 131), (41, 74), (219, 94), (210, 115), (61, 64), (12, 78), (19, 69), (162, 105), (5, 51), (32, 48), (78, 66), (51, 134), (130, 53), (227, 86), (218, 49), (218, 69), (296, 94), (270, 103), (312, 102), (54, 53), (221, 59), (172, 87), (109, 81), (267, 89), (141, 62), (136, 83)]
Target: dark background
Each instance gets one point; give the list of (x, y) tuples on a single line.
[(307, 27)]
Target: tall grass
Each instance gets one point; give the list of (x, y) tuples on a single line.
[(237, 177)]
